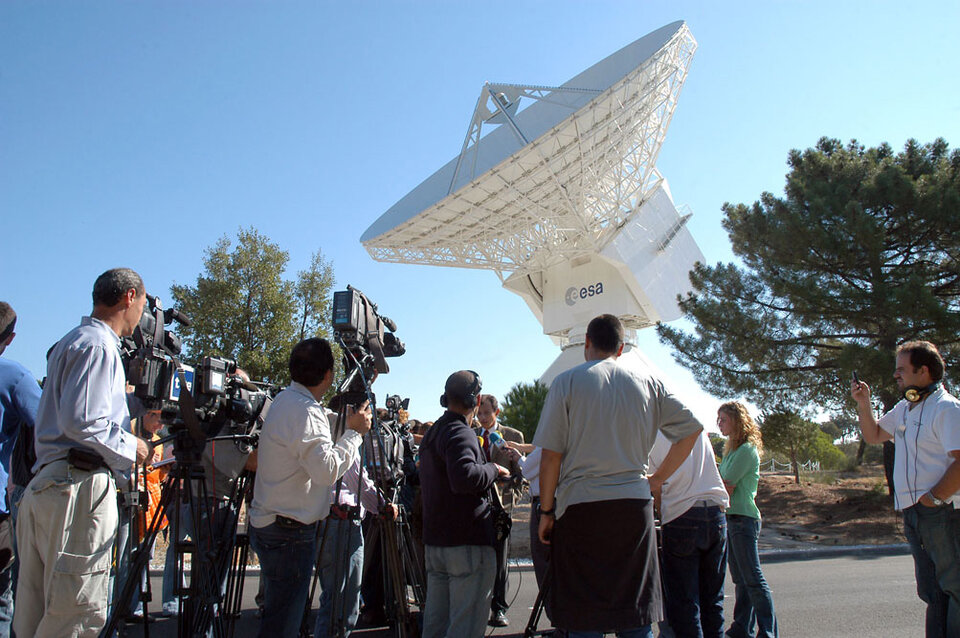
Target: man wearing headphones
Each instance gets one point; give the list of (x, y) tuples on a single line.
[(925, 429), (458, 522)]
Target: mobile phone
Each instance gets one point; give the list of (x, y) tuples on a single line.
[(856, 379)]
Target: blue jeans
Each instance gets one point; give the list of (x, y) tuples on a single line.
[(934, 537), (694, 565), (286, 562), (343, 537), (459, 589), (754, 602), (170, 563)]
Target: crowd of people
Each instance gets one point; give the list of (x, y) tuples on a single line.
[(615, 450)]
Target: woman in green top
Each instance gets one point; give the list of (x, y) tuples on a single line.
[(740, 470)]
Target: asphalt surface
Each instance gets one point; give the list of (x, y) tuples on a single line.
[(852, 591)]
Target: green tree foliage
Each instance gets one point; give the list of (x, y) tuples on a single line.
[(717, 442), (789, 434), (861, 254), (522, 405), (821, 449), (243, 308)]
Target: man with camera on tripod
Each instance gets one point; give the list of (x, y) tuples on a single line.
[(68, 517), (298, 462)]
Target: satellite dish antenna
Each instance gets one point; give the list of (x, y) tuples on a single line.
[(562, 198)]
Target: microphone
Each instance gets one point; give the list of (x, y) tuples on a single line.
[(496, 440), (181, 317)]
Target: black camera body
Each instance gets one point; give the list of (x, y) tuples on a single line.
[(367, 338), (219, 395)]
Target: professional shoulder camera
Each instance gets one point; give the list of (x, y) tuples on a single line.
[(220, 395), (367, 339)]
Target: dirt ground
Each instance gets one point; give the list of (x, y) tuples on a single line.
[(831, 509)]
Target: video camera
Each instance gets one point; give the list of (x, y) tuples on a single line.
[(219, 394), (367, 338)]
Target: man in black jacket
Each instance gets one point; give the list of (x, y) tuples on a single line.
[(458, 522)]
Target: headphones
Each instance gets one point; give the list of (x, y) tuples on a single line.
[(473, 392), (914, 393)]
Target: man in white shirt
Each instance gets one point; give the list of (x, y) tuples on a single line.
[(68, 518), (694, 534), (297, 464), (925, 429)]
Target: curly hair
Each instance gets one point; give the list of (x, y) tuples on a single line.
[(745, 428)]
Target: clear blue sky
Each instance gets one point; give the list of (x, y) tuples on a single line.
[(138, 133)]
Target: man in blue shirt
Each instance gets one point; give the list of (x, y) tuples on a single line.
[(19, 397), (67, 521)]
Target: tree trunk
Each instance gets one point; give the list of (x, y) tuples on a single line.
[(796, 467), (860, 450)]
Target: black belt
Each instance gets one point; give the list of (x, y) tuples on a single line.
[(290, 523), (85, 459)]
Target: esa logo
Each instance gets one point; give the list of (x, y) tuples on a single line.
[(574, 293)]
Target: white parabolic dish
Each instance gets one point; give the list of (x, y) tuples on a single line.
[(562, 198)]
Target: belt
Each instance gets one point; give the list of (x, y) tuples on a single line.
[(705, 504)]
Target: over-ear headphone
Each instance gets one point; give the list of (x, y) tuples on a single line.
[(470, 398), (914, 393)]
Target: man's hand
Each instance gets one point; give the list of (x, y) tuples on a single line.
[(512, 454), (860, 392), (143, 450), (390, 511), (523, 448), (546, 527), (359, 420), (656, 489), (502, 472)]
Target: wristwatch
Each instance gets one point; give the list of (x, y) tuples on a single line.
[(543, 512), (936, 501)]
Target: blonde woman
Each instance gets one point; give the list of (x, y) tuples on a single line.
[(740, 470)]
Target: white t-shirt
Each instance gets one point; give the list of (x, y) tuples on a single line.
[(923, 438), (530, 468), (697, 479)]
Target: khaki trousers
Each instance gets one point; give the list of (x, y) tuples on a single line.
[(66, 527)]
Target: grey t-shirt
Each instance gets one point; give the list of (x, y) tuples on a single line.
[(604, 418)]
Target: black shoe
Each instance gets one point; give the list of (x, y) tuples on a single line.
[(498, 619)]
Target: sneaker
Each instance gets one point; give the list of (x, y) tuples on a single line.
[(169, 609), (498, 619)]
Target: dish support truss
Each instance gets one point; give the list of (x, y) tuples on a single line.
[(561, 196)]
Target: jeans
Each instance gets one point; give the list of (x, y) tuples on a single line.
[(286, 562), (6, 601), (342, 548), (754, 602), (459, 589), (934, 537), (6, 586), (694, 565), (170, 563)]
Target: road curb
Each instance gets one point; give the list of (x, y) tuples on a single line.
[(766, 555), (834, 551)]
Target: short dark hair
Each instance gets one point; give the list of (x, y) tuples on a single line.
[(309, 361), (924, 353), (605, 333), (8, 320), (492, 400), (111, 286)]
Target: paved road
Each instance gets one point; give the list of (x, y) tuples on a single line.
[(852, 596)]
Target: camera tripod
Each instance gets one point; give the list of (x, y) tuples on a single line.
[(212, 527), (391, 537)]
